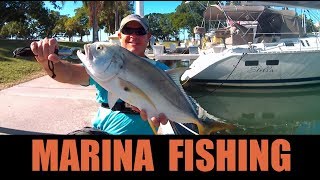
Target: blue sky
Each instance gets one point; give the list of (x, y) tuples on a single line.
[(149, 7), (160, 6)]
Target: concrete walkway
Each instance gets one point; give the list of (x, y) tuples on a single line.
[(44, 106)]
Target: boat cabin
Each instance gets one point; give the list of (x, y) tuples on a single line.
[(253, 24)]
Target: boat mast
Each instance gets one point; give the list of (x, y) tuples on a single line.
[(304, 21), (139, 8)]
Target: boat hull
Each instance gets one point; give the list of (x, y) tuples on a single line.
[(256, 69)]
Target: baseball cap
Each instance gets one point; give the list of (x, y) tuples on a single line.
[(134, 17)]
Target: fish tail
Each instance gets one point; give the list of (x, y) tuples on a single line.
[(215, 127), (209, 124)]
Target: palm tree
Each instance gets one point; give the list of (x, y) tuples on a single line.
[(108, 13), (94, 7)]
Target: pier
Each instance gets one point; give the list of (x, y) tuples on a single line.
[(168, 57)]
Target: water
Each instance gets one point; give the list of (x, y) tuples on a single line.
[(281, 111)]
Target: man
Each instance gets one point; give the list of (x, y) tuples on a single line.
[(134, 35)]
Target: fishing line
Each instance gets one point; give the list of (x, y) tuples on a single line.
[(176, 130), (219, 86), (191, 131), (27, 52), (185, 81), (51, 67)]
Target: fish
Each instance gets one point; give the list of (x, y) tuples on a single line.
[(137, 81)]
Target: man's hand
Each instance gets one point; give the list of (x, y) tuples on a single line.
[(44, 51), (155, 120)]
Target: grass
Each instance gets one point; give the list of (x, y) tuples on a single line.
[(14, 71)]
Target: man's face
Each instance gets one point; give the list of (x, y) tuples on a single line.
[(133, 42)]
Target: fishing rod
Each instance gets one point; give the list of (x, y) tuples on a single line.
[(27, 52)]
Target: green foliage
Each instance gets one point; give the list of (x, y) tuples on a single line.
[(28, 13), (60, 27), (107, 14), (190, 15), (187, 16), (19, 69), (154, 23), (310, 27), (12, 28), (112, 13)]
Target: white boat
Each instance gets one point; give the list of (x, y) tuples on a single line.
[(265, 47)]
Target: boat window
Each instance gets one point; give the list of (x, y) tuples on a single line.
[(272, 62), (302, 43), (251, 63), (247, 115), (307, 42), (288, 43)]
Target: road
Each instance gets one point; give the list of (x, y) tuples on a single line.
[(44, 106)]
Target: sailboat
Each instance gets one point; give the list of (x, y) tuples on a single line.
[(261, 47)]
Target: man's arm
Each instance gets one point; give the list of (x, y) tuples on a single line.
[(65, 72)]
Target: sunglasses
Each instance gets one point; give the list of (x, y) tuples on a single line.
[(137, 31)]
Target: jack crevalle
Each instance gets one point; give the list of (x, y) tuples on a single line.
[(139, 82)]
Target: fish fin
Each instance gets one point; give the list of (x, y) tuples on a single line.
[(175, 75), (131, 88), (112, 99)]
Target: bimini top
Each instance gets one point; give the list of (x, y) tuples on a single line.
[(294, 4), (242, 13), (270, 21)]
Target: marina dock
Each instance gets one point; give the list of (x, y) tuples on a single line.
[(177, 54), (166, 57)]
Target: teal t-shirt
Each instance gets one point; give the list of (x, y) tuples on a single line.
[(116, 122)]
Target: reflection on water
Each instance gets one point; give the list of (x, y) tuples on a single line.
[(263, 110)]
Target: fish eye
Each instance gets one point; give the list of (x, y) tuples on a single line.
[(99, 48)]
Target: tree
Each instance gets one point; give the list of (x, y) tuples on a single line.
[(107, 14), (60, 27), (34, 18), (20, 10), (71, 26), (189, 15), (11, 29), (94, 7), (310, 27), (82, 21), (154, 24), (113, 12)]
